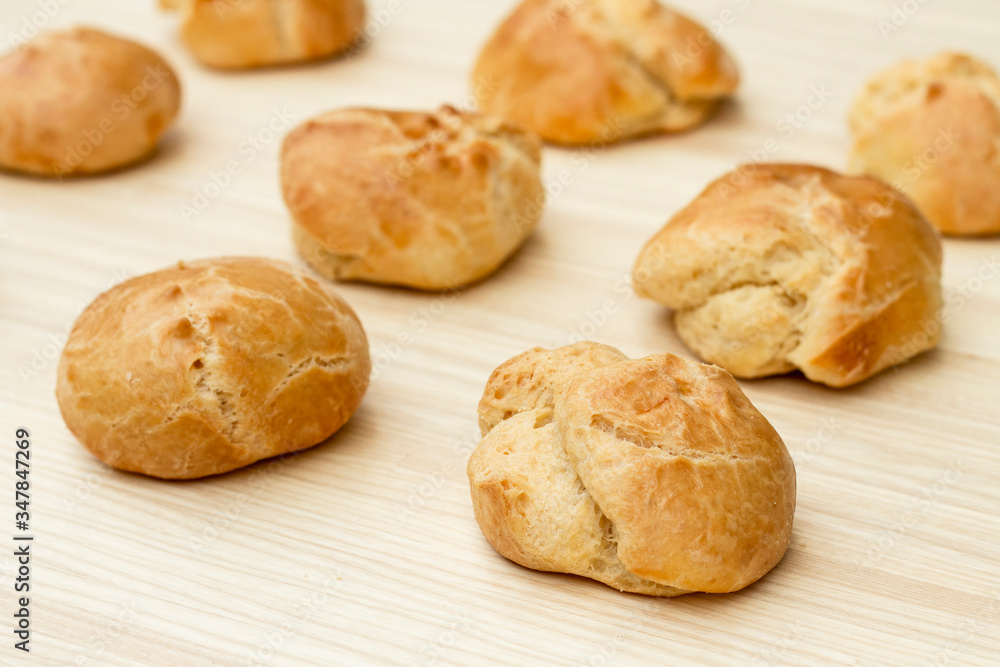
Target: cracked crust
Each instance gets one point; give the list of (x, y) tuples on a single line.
[(602, 70), (239, 34), (778, 267), (653, 476), (207, 367), (426, 200), (82, 101), (932, 130)]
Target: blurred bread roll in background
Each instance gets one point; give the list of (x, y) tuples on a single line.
[(425, 200), (781, 267), (237, 34), (210, 366), (653, 476), (931, 128), (602, 70), (82, 101)]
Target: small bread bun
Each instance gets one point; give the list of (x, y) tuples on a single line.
[(653, 476), (240, 34), (602, 70), (426, 200), (82, 102), (778, 267), (210, 366), (932, 130)]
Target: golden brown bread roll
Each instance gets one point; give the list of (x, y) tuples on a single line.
[(653, 475), (602, 70), (237, 34), (210, 366), (426, 200), (83, 101), (778, 267), (932, 129)]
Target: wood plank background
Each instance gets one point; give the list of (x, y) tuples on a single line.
[(364, 550)]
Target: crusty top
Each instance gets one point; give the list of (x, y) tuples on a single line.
[(602, 69), (908, 83), (696, 487), (209, 366), (82, 101), (818, 271), (428, 200), (931, 129), (531, 380), (710, 489)]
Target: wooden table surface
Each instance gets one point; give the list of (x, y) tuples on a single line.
[(364, 550)]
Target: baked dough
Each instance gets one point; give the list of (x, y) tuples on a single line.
[(81, 102), (781, 267), (602, 70), (932, 129), (210, 366), (426, 200), (653, 475), (238, 34)]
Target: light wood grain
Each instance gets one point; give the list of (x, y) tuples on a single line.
[(366, 546)]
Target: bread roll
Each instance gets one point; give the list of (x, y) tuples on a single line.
[(238, 34), (653, 476), (81, 102), (426, 200), (210, 366), (602, 70), (932, 129), (781, 267)]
